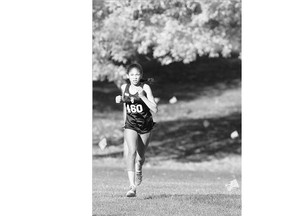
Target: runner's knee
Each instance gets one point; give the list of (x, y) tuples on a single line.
[(131, 154), (141, 160)]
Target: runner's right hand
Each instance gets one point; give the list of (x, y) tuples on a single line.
[(118, 99)]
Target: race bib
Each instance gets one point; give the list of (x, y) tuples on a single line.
[(134, 108)]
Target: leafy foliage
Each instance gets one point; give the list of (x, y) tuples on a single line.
[(165, 30)]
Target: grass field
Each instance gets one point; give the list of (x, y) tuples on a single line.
[(191, 156), (165, 192)]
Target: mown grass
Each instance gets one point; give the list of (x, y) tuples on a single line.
[(189, 161), (165, 192)]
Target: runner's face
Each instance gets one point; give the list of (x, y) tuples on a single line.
[(134, 76)]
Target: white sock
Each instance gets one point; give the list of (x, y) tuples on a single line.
[(131, 177)]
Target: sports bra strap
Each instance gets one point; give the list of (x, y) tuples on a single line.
[(126, 88)]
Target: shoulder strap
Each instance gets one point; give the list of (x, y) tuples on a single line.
[(126, 88)]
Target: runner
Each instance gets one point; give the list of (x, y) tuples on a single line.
[(139, 101)]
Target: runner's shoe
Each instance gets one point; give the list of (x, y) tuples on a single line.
[(132, 191)]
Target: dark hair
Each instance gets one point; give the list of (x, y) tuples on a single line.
[(139, 67), (135, 65), (148, 80)]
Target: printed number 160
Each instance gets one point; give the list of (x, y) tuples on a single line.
[(134, 108)]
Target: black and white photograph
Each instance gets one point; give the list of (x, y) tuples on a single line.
[(167, 107), (143, 107)]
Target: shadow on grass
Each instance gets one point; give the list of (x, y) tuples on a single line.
[(227, 200), (185, 81), (195, 140), (189, 140), (203, 77), (198, 198), (114, 154)]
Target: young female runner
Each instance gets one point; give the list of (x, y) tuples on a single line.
[(138, 102)]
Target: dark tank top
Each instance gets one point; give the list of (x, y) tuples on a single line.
[(138, 115)]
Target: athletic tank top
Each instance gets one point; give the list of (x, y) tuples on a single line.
[(138, 115)]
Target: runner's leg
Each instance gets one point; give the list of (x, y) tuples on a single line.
[(143, 142), (131, 137)]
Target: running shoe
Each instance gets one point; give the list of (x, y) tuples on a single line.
[(132, 191)]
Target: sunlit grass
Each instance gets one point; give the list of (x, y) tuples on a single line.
[(165, 192)]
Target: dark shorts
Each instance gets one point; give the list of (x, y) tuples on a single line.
[(140, 129)]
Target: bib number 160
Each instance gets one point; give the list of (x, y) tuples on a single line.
[(134, 108)]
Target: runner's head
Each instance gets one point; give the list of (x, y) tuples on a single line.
[(134, 73)]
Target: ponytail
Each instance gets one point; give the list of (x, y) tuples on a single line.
[(147, 80)]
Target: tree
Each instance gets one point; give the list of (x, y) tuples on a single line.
[(166, 30)]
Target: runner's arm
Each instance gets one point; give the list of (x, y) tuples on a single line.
[(124, 104), (149, 98)]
